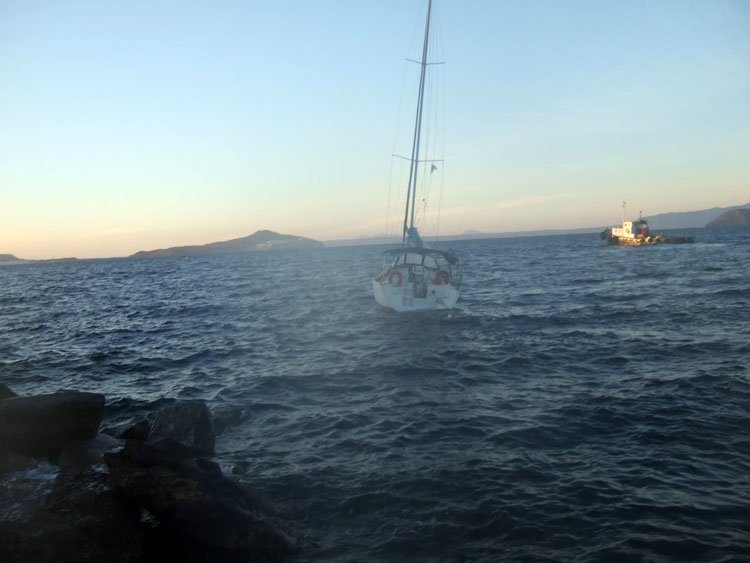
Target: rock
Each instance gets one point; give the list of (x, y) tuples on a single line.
[(6, 392), (202, 515), (41, 425), (226, 416), (188, 422), (11, 461), (83, 520), (132, 429), (86, 453)]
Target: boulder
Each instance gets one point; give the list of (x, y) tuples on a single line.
[(82, 521), (226, 416), (132, 429), (82, 454), (12, 461), (202, 515), (6, 392), (188, 422), (41, 425)]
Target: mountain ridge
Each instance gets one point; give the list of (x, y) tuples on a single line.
[(260, 241), (732, 220)]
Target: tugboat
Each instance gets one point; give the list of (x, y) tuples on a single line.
[(638, 233)]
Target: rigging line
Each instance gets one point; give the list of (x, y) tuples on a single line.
[(439, 113), (426, 183), (388, 206), (403, 108), (430, 135), (428, 64), (398, 129), (403, 176), (430, 127), (420, 160), (442, 171), (390, 228)]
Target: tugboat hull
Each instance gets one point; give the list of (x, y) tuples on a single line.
[(647, 240)]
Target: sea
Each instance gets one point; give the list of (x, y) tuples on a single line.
[(582, 403)]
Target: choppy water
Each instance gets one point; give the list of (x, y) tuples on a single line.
[(583, 403)]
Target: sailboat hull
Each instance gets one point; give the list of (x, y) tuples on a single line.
[(402, 298)]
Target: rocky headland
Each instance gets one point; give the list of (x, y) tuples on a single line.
[(261, 241), (9, 259), (136, 490), (732, 220)]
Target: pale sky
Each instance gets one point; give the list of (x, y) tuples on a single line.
[(127, 126)]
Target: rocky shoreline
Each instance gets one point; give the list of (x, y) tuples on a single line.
[(141, 490)]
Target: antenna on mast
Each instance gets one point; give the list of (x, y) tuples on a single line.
[(623, 212)]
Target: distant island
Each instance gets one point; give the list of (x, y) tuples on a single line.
[(732, 220), (261, 241), (7, 259)]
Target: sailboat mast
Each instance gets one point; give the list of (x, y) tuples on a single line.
[(411, 193)]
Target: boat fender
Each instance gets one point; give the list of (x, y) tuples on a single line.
[(396, 274), (442, 277)]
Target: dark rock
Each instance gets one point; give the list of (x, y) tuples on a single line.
[(210, 467), (132, 429), (41, 425), (226, 416), (188, 422), (6, 392), (202, 515), (24, 491), (240, 468), (165, 451), (86, 453), (83, 520), (11, 461)]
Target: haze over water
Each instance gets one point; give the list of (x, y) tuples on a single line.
[(584, 402)]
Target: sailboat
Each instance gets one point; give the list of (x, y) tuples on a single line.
[(415, 277)]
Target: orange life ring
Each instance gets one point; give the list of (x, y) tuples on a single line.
[(442, 277), (393, 274)]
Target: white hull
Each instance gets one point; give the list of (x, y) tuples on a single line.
[(400, 298)]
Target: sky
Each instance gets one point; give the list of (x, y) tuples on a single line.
[(127, 126)]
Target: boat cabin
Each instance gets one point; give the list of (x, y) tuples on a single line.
[(631, 229), (419, 266)]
